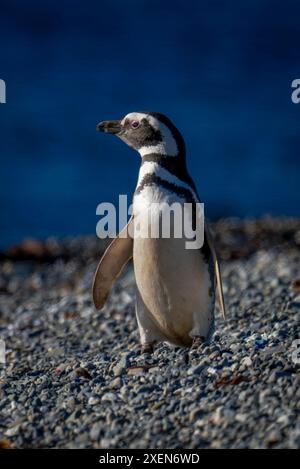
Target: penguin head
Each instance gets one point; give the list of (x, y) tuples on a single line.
[(147, 132)]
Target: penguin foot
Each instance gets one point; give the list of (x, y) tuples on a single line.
[(198, 341), (148, 348)]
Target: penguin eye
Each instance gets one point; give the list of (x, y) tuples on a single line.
[(134, 124)]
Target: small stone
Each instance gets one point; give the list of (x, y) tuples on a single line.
[(273, 282), (136, 370), (109, 396), (273, 437), (284, 420), (93, 400), (241, 418), (116, 383), (154, 369), (246, 361), (120, 367), (82, 373), (60, 368), (196, 370), (272, 378), (96, 431), (296, 286), (217, 416), (12, 431)]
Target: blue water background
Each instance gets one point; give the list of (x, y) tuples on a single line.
[(222, 70)]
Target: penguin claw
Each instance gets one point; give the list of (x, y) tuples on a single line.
[(147, 348)]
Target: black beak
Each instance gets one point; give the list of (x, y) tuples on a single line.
[(110, 127)]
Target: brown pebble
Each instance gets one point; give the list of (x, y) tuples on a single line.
[(71, 314), (233, 381), (135, 370), (82, 373), (296, 286)]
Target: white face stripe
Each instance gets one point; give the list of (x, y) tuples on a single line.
[(159, 149), (168, 146), (150, 167)]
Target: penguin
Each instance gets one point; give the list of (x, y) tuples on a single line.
[(175, 295)]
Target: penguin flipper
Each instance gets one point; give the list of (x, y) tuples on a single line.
[(217, 272), (111, 264)]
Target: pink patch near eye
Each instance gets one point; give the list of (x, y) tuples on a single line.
[(135, 124)]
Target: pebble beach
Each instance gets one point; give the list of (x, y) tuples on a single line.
[(74, 377)]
